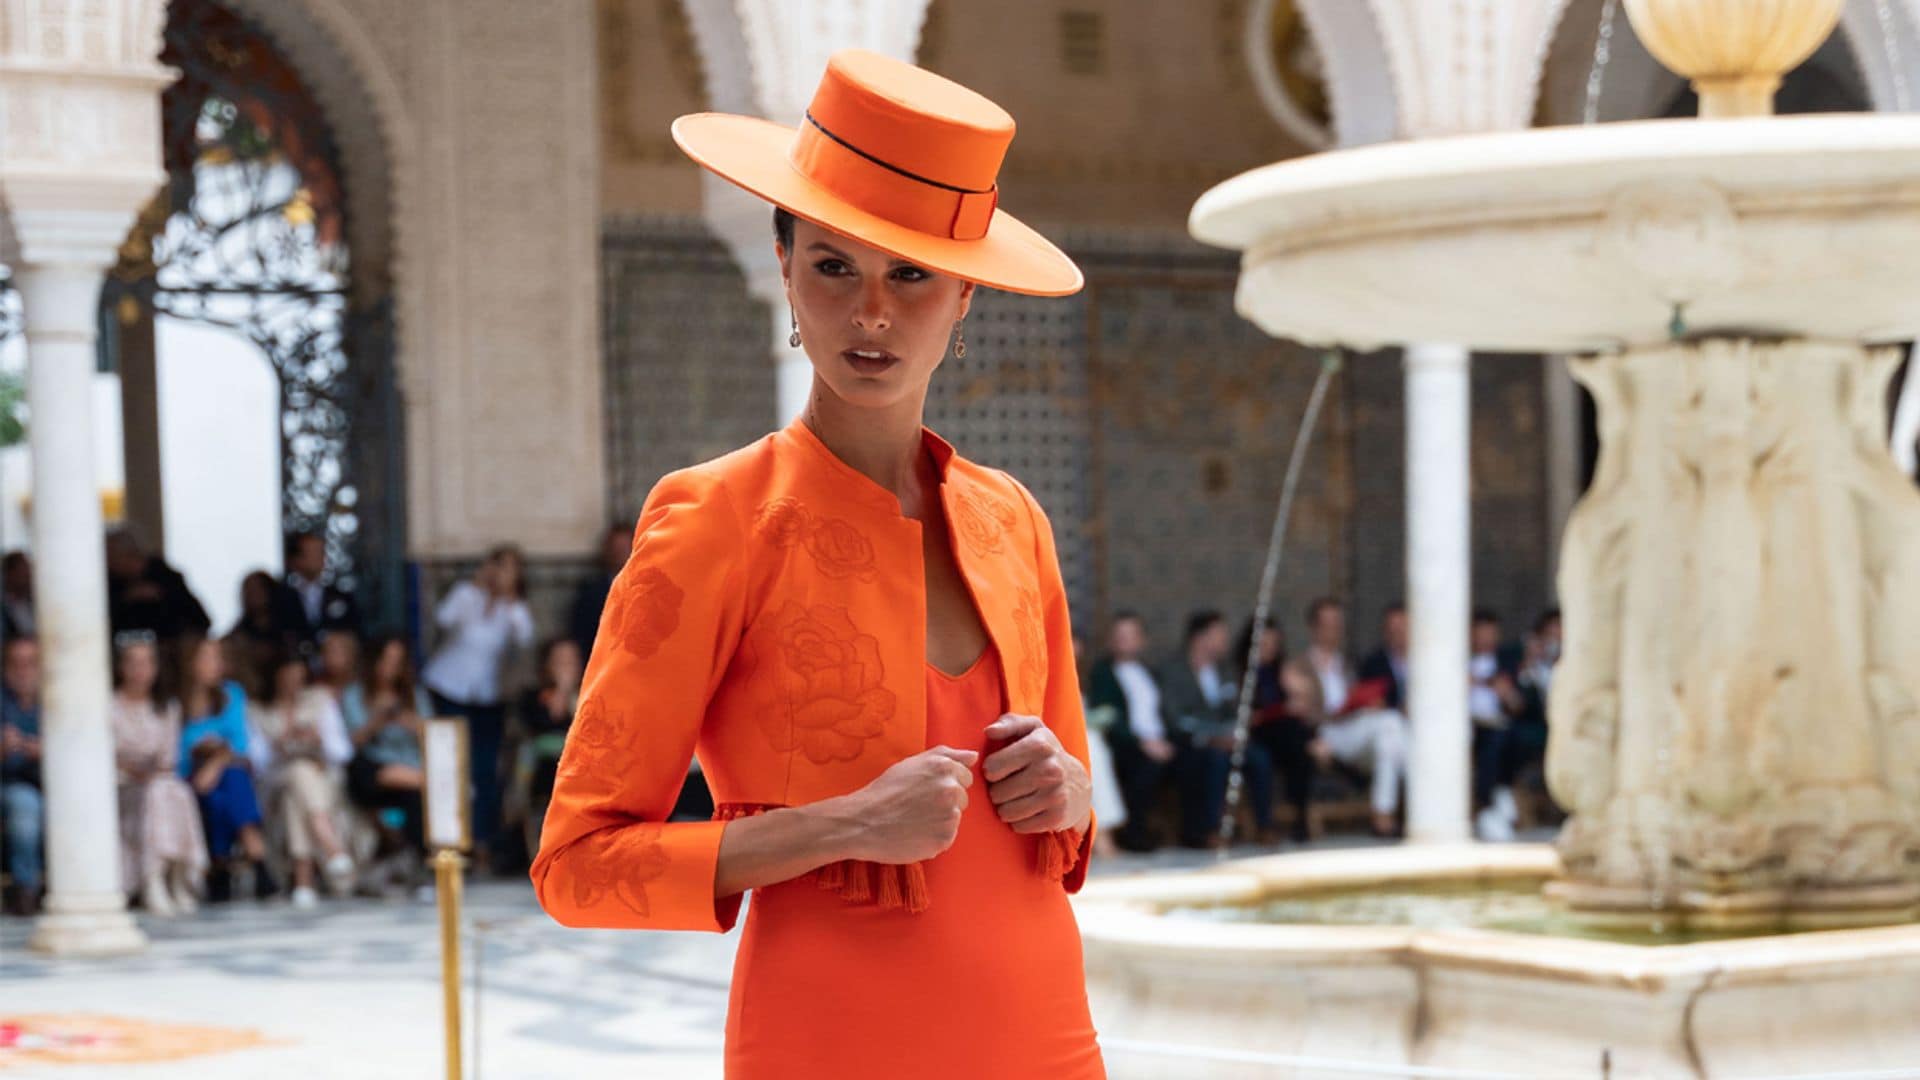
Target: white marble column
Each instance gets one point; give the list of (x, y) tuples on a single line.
[(1562, 398), (64, 257), (1439, 588), (765, 57), (80, 120)]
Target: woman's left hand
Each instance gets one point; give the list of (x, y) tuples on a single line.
[(1035, 785)]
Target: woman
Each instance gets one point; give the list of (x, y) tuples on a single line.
[(161, 845), (339, 663), (214, 746), (1279, 727), (257, 636), (864, 635), (384, 713), (302, 746), (546, 712), (480, 620)]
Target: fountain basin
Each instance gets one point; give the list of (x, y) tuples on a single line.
[(1585, 239), (1502, 1001)]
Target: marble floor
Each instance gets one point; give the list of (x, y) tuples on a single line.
[(351, 991)]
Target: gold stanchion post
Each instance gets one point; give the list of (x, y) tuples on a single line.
[(447, 865), (449, 832)]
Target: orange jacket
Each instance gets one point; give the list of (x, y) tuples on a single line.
[(772, 619)]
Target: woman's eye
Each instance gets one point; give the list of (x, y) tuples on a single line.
[(911, 273), (831, 267)]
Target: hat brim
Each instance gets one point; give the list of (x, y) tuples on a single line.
[(752, 153)]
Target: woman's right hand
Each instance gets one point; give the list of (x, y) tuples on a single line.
[(911, 812)]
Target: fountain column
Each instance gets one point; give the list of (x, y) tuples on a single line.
[(1439, 586)]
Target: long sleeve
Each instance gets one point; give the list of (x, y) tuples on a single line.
[(332, 726), (520, 620), (608, 857), (1063, 708), (456, 607)]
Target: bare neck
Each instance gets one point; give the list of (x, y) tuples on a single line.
[(885, 445)]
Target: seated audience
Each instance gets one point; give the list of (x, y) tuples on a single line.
[(214, 758), (300, 747), (20, 771), (1199, 706), (1358, 729), (163, 854), (1122, 683)]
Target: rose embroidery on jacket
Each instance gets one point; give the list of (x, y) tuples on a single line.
[(838, 549), (829, 679), (982, 521), (1033, 645), (599, 749), (620, 869), (783, 522), (644, 609)]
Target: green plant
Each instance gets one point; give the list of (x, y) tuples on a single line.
[(13, 408)]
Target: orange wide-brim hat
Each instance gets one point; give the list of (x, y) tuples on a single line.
[(897, 158)]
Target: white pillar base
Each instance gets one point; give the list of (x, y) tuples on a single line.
[(1439, 572), (106, 931)]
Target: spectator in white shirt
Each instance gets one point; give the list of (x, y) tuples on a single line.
[(480, 621), (1358, 730), (1142, 753)]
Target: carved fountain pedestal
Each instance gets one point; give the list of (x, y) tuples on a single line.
[(1734, 720), (1737, 719)]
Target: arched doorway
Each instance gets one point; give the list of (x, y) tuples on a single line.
[(247, 247)]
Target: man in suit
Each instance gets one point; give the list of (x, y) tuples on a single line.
[(144, 593), (1388, 663), (1122, 683), (1199, 703), (583, 619), (305, 605)]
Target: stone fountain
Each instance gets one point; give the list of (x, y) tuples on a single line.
[(1737, 717)]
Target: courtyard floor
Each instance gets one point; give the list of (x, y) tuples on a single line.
[(351, 990)]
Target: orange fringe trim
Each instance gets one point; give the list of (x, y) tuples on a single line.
[(891, 886)]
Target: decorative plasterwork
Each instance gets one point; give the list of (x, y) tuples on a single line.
[(1465, 65)]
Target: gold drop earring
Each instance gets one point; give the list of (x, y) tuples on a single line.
[(960, 339), (793, 339)]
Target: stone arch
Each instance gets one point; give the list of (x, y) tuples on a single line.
[(365, 107)]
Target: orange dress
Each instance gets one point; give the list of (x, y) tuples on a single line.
[(987, 982)]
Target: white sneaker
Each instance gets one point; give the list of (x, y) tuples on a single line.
[(304, 898), (339, 873), (1503, 801), (1492, 827)]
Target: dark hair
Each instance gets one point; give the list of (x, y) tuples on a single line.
[(1485, 616), (520, 582), (272, 665), (184, 655), (1320, 604), (265, 581), (1202, 621), (403, 685), (547, 649), (1551, 615), (783, 228), (11, 559), (295, 539), (1395, 608), (1243, 645), (1126, 615)]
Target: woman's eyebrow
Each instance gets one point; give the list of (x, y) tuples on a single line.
[(822, 245)]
